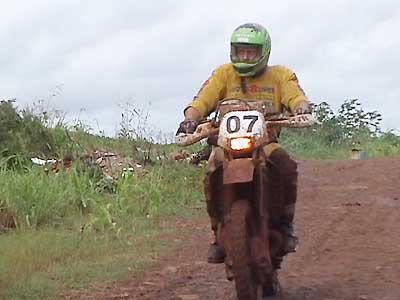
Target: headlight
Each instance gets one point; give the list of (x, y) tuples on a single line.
[(243, 143)]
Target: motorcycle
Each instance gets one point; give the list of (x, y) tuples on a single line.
[(248, 231)]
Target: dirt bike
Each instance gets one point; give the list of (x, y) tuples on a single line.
[(252, 242)]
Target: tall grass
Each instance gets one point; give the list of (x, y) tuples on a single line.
[(70, 231), (39, 198)]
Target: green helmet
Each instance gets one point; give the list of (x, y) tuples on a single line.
[(250, 35)]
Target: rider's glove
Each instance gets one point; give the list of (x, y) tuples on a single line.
[(187, 126), (302, 108)]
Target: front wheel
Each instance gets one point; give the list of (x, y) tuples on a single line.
[(240, 253)]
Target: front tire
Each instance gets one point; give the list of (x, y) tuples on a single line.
[(240, 253)]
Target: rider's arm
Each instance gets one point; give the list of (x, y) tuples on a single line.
[(192, 113), (209, 94), (292, 95)]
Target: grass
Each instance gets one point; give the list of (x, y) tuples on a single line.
[(39, 264), (307, 144), (39, 198), (72, 235)]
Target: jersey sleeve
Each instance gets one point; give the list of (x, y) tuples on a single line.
[(212, 90), (291, 92)]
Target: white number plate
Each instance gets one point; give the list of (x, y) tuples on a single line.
[(242, 124)]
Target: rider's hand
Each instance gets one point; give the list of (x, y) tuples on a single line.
[(187, 126), (302, 108)]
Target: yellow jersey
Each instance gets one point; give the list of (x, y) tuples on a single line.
[(277, 86)]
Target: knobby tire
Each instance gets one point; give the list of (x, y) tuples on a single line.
[(246, 287)]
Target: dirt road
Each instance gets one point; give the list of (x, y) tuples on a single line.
[(348, 222)]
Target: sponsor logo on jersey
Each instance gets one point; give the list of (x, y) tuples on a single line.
[(256, 89)]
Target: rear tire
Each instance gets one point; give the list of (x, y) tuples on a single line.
[(239, 252)]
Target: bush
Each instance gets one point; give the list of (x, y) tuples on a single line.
[(25, 133), (337, 133)]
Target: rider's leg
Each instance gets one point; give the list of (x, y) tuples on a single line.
[(216, 253), (287, 168)]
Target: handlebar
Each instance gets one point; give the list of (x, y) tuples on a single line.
[(210, 127)]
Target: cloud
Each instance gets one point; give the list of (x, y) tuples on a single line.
[(106, 53)]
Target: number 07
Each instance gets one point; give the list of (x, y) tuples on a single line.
[(233, 123)]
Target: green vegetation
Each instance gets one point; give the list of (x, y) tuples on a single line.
[(78, 227), (39, 264), (338, 133), (70, 231)]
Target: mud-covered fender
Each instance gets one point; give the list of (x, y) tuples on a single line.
[(238, 170)]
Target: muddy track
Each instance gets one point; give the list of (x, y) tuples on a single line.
[(348, 221)]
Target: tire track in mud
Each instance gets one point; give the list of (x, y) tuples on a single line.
[(348, 221)]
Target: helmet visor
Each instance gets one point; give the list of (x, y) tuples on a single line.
[(246, 53)]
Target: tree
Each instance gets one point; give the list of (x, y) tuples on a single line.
[(350, 123)]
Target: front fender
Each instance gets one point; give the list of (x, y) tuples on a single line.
[(239, 170)]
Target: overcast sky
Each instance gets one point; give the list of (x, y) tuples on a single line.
[(90, 58)]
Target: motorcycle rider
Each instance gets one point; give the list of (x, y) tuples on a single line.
[(249, 76)]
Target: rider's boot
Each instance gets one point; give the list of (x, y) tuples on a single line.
[(273, 288), (216, 253), (290, 238), (228, 269)]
